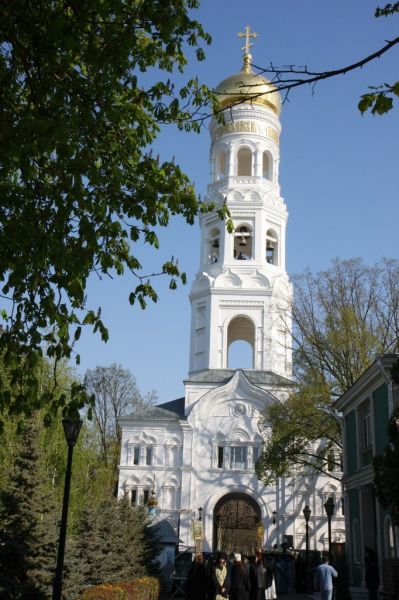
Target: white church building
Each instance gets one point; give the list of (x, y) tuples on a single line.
[(196, 455)]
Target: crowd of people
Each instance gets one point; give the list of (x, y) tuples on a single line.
[(235, 577)]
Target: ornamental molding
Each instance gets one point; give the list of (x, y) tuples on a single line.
[(242, 112), (246, 126), (243, 213), (242, 303), (238, 409)]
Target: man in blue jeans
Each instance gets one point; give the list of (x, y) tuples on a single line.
[(323, 579)]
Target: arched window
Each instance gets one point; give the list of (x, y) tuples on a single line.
[(272, 247), (133, 491), (267, 166), (144, 491), (173, 453), (133, 453), (141, 451), (221, 164), (243, 243), (213, 245), (241, 329), (244, 162), (171, 494)]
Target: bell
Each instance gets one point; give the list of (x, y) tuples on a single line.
[(215, 244), (243, 241)]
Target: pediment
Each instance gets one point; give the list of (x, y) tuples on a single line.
[(256, 280), (228, 279), (252, 197), (236, 398), (203, 282)]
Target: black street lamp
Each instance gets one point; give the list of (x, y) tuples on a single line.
[(71, 431), (329, 508), (306, 513)]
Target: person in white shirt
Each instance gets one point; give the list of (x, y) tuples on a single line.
[(323, 579)]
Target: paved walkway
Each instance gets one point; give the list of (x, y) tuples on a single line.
[(293, 597), (280, 597)]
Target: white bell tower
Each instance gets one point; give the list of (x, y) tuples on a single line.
[(242, 291)]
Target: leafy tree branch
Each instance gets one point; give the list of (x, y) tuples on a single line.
[(84, 88), (379, 100)]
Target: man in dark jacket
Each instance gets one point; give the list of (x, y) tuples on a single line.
[(239, 580)]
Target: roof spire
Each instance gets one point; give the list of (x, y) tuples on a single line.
[(245, 49)]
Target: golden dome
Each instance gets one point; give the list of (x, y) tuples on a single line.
[(249, 87)]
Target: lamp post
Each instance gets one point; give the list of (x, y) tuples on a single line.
[(198, 532), (71, 431), (306, 513), (329, 508)]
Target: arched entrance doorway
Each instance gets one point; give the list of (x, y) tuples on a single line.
[(237, 524)]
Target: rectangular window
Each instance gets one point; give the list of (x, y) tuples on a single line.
[(238, 457), (366, 431), (133, 497), (220, 457), (146, 495), (136, 455), (148, 456)]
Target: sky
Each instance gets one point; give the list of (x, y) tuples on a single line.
[(339, 171)]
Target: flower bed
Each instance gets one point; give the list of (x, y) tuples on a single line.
[(144, 588)]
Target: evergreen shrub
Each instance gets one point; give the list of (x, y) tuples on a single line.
[(144, 588)]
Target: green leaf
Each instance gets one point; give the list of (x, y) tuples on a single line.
[(382, 105), (366, 102)]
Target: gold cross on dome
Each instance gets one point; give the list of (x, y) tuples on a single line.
[(247, 35)]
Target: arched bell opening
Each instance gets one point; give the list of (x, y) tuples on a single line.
[(237, 524), (243, 243), (241, 355), (272, 249), (213, 246), (267, 165), (244, 162), (221, 164), (240, 343)]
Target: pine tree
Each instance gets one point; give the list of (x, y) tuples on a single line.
[(28, 532), (112, 543)]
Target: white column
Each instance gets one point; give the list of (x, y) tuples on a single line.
[(230, 161), (258, 166)]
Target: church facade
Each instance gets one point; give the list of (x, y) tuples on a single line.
[(196, 455)]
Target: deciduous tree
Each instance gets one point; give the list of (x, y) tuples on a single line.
[(115, 394), (342, 318), (84, 88)]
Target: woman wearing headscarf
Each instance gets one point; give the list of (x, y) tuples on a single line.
[(219, 575)]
